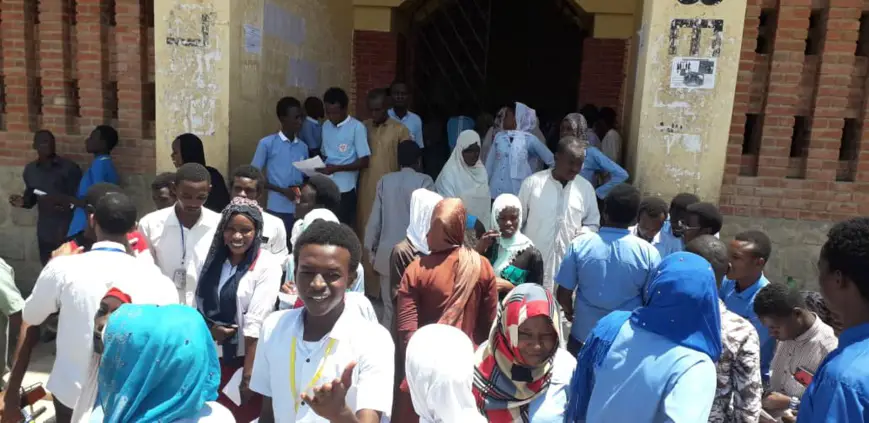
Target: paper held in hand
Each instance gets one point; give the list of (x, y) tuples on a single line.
[(310, 166)]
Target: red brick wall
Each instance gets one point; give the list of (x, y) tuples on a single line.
[(375, 56), (603, 72), (825, 89), (68, 66)]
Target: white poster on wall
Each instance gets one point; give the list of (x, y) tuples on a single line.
[(693, 73)]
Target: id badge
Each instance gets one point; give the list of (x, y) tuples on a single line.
[(180, 279)]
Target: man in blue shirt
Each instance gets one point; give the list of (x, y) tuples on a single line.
[(670, 237), (346, 151), (840, 390), (312, 130), (398, 92), (749, 253), (102, 140), (275, 155), (608, 270)]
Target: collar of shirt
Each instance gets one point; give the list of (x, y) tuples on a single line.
[(286, 139), (722, 308), (109, 245), (344, 122), (852, 335), (408, 170), (395, 115), (173, 219), (749, 292), (556, 181), (343, 328), (102, 157), (612, 230), (811, 332), (312, 120)]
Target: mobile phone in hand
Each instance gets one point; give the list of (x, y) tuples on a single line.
[(803, 376)]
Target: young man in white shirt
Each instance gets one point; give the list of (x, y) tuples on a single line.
[(248, 182), (181, 236), (559, 205), (73, 286), (341, 366)]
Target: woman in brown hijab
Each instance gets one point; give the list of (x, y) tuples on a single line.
[(453, 285)]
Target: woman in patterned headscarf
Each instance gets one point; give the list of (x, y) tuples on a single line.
[(237, 289), (522, 374)]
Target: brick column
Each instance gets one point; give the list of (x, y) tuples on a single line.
[(91, 63), (374, 62), (603, 72), (831, 92), (129, 41), (16, 32), (786, 66), (54, 60)]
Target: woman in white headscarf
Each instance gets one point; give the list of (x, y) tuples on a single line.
[(422, 204), (464, 177), (440, 373), (512, 254), (515, 150)]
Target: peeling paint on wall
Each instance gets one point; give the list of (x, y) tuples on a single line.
[(196, 100)]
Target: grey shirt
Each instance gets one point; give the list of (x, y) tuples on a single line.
[(58, 176), (390, 214)]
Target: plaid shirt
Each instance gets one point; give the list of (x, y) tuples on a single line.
[(738, 396)]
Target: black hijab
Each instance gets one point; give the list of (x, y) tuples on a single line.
[(192, 151)]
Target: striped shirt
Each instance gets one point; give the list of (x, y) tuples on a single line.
[(807, 351)]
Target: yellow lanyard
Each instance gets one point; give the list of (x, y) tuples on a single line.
[(296, 394)]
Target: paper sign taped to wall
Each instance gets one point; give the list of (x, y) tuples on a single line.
[(693, 73), (253, 39)]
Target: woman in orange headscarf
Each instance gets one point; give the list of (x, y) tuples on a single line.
[(453, 285)]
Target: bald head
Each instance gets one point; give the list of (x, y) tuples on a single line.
[(714, 251)]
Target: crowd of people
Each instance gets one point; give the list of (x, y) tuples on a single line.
[(521, 283)]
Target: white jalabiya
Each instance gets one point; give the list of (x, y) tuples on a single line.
[(300, 226), (161, 291), (422, 205), (555, 214), (440, 372), (508, 248), (468, 183)]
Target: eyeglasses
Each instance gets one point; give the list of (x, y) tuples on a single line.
[(684, 227)]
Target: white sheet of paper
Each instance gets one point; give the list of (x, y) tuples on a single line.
[(39, 192), (233, 387), (308, 167)]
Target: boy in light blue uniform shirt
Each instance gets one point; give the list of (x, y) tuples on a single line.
[(275, 155), (346, 151), (312, 130)]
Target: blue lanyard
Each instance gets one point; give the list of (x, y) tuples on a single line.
[(115, 250)]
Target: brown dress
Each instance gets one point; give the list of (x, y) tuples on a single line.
[(383, 141)]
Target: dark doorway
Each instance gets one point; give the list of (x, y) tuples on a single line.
[(472, 56)]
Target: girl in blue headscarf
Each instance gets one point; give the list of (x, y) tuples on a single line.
[(657, 363), (159, 364)]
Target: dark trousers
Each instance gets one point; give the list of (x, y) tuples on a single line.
[(347, 212), (573, 346), (62, 413), (289, 219)]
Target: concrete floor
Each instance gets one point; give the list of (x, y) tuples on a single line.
[(40, 366)]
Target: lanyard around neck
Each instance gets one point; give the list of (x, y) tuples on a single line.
[(112, 249), (293, 389)]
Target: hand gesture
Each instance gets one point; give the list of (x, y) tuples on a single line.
[(289, 288), (328, 170), (329, 399), (67, 250), (503, 285), (487, 240), (292, 193), (244, 389), (221, 333), (16, 200)]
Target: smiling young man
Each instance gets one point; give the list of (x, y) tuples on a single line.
[(248, 182), (341, 366), (180, 236)]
